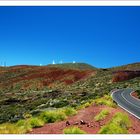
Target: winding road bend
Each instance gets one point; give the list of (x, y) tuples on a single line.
[(126, 101)]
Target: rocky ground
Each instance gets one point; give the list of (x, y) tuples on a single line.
[(90, 125)]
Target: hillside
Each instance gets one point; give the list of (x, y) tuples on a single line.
[(133, 66), (79, 66), (125, 75), (29, 90), (21, 84), (125, 72), (25, 77)]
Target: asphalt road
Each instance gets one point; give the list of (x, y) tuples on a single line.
[(124, 99)]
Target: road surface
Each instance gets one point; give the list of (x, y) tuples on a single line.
[(126, 101)]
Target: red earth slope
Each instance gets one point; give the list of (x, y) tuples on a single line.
[(125, 75), (26, 76), (87, 115)]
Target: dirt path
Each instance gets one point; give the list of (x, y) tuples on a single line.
[(87, 115)]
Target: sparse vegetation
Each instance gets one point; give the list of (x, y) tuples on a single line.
[(81, 66), (106, 100), (85, 105), (73, 130), (33, 90), (8, 128), (69, 111), (53, 116), (102, 115), (118, 125), (26, 125), (36, 122)]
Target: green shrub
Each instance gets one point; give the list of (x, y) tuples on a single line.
[(73, 130), (24, 124), (21, 127), (112, 129), (85, 105), (107, 97), (106, 100), (21, 123), (27, 115), (101, 115), (52, 116), (69, 111), (8, 128), (35, 122), (59, 103), (121, 119), (118, 125)]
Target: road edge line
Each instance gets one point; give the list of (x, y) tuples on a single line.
[(129, 111), (123, 107)]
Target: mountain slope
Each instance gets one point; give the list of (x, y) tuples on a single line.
[(37, 77), (79, 66), (133, 66), (30, 89)]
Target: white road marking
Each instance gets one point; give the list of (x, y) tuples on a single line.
[(128, 102)]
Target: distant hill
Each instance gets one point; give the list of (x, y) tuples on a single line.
[(133, 66), (80, 66), (126, 72), (26, 77), (37, 77)]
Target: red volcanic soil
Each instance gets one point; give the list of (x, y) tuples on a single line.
[(125, 75), (87, 115), (135, 94), (45, 75)]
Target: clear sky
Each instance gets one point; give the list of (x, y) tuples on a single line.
[(100, 36)]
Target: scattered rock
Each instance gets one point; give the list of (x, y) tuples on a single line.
[(76, 123), (88, 125), (82, 122), (67, 123)]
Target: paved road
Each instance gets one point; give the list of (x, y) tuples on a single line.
[(124, 99)]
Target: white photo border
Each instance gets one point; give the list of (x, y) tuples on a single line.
[(70, 3)]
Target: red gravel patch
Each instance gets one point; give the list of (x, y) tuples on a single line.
[(135, 94), (87, 114)]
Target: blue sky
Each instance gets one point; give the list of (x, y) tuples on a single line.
[(100, 36)]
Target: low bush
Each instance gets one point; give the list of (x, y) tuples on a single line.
[(106, 100), (85, 105), (112, 129), (102, 115), (24, 124), (121, 119), (35, 122), (60, 104), (8, 128), (69, 111), (118, 125), (21, 127), (73, 130), (52, 116)]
